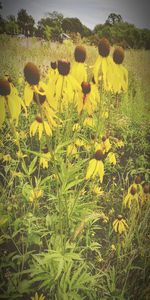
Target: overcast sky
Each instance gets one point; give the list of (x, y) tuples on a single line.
[(90, 12)]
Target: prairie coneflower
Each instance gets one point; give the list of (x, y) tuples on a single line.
[(32, 78), (52, 77), (9, 101), (118, 74), (87, 99), (45, 158), (103, 62), (78, 70), (120, 225), (66, 85), (41, 126), (37, 297), (132, 196), (96, 166)]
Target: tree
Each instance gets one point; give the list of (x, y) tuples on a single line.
[(25, 22), (11, 25), (72, 25), (53, 21), (114, 19)]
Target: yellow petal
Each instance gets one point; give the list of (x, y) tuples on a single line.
[(28, 94), (91, 168), (47, 129), (33, 128), (40, 128), (101, 170), (2, 110)]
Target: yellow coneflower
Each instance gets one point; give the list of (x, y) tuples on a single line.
[(37, 297), (52, 77), (96, 166), (35, 194), (32, 77), (86, 99), (66, 85), (9, 101), (120, 225), (144, 195), (103, 62), (45, 158), (104, 145), (89, 122), (41, 126), (132, 196), (72, 149), (117, 74), (78, 69)]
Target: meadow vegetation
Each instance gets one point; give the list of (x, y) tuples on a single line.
[(66, 235)]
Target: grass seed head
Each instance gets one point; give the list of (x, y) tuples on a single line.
[(80, 54), (118, 55), (104, 47), (31, 73), (4, 87), (86, 87), (63, 67), (98, 155)]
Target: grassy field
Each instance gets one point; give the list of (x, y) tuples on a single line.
[(58, 236)]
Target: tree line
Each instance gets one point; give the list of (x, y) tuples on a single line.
[(54, 24)]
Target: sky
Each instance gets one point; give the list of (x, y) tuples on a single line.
[(90, 12)]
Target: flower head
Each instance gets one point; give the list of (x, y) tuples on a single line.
[(80, 54), (41, 126), (54, 65), (118, 55), (86, 87), (120, 225), (37, 297), (63, 67), (96, 166), (104, 47), (31, 73), (4, 87)]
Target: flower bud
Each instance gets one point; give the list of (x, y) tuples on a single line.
[(80, 54), (104, 47), (63, 67), (54, 65), (31, 74), (4, 87)]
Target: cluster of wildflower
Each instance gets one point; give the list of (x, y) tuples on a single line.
[(137, 195)]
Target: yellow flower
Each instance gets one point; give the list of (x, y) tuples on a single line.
[(105, 145), (120, 225), (105, 115), (103, 62), (98, 190), (41, 126), (89, 122), (35, 194), (119, 143), (71, 150), (7, 157), (66, 86), (117, 74), (20, 154), (112, 158), (132, 196), (76, 127), (78, 69), (44, 159), (87, 99), (37, 297), (96, 166), (113, 248), (9, 101)]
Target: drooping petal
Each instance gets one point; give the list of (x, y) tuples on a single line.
[(28, 94), (47, 128), (101, 170), (2, 110), (40, 128), (91, 168), (14, 104), (33, 128)]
